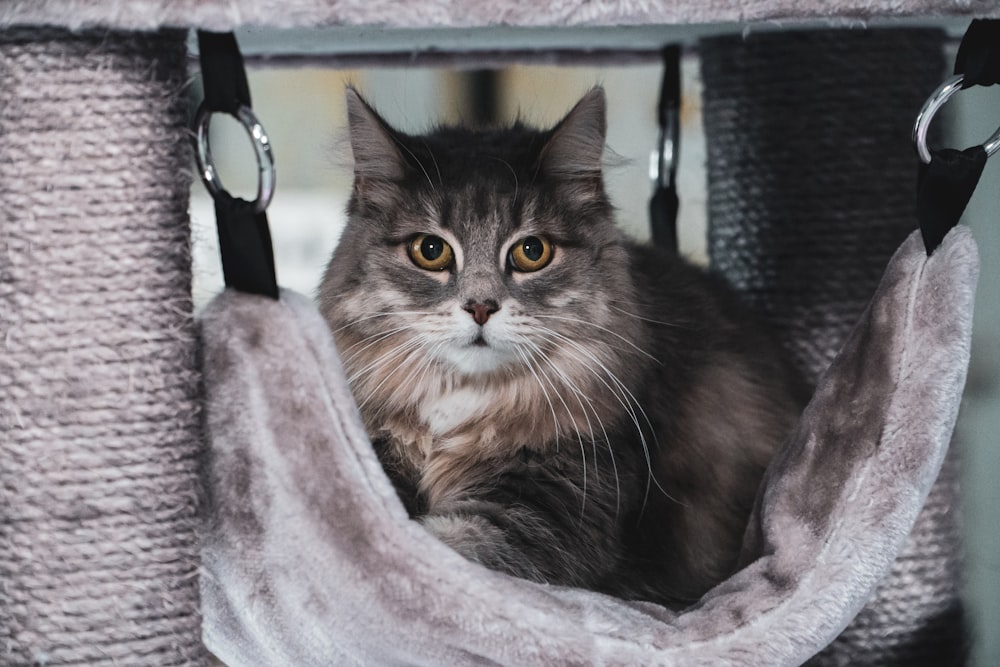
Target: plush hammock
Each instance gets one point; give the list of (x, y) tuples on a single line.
[(107, 494), (312, 560)]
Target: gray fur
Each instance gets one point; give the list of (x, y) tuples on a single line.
[(625, 403)]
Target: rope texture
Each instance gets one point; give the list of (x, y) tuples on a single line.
[(98, 386), (811, 189)]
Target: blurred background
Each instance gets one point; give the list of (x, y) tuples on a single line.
[(302, 108), (303, 111)]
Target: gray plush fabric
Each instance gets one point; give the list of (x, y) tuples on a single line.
[(310, 559), (100, 433), (230, 14)]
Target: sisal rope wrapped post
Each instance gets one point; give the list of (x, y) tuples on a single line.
[(811, 189), (99, 422)]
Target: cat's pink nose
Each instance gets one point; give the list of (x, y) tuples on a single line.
[(481, 311)]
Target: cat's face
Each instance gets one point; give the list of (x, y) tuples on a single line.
[(478, 256)]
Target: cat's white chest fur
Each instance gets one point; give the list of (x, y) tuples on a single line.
[(444, 412)]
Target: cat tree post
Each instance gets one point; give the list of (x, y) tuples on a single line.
[(99, 423), (811, 189)]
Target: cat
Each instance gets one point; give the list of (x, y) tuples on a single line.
[(549, 398)]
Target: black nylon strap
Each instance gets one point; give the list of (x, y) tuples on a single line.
[(663, 206), (978, 57), (245, 247), (244, 237), (945, 186), (222, 71)]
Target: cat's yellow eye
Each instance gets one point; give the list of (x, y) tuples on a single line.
[(430, 252), (531, 253)]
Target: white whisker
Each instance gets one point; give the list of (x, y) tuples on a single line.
[(580, 397), (527, 364), (387, 313), (529, 357), (405, 349), (417, 160), (513, 173), (436, 167), (646, 319), (420, 370), (355, 350), (604, 329), (625, 398)]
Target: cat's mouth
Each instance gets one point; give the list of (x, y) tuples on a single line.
[(479, 354)]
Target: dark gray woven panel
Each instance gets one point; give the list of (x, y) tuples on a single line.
[(99, 424), (811, 190), (811, 172)]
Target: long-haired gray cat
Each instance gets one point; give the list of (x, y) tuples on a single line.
[(549, 398)]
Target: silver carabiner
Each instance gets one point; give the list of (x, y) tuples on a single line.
[(931, 106), (262, 148)]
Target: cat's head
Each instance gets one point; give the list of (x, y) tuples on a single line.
[(478, 256)]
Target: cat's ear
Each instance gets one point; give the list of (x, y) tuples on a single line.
[(576, 147), (373, 142)]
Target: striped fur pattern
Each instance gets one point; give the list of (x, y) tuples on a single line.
[(603, 421)]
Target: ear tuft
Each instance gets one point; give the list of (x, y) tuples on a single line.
[(373, 141), (576, 147)]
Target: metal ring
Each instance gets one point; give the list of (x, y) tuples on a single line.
[(931, 106), (261, 146)]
